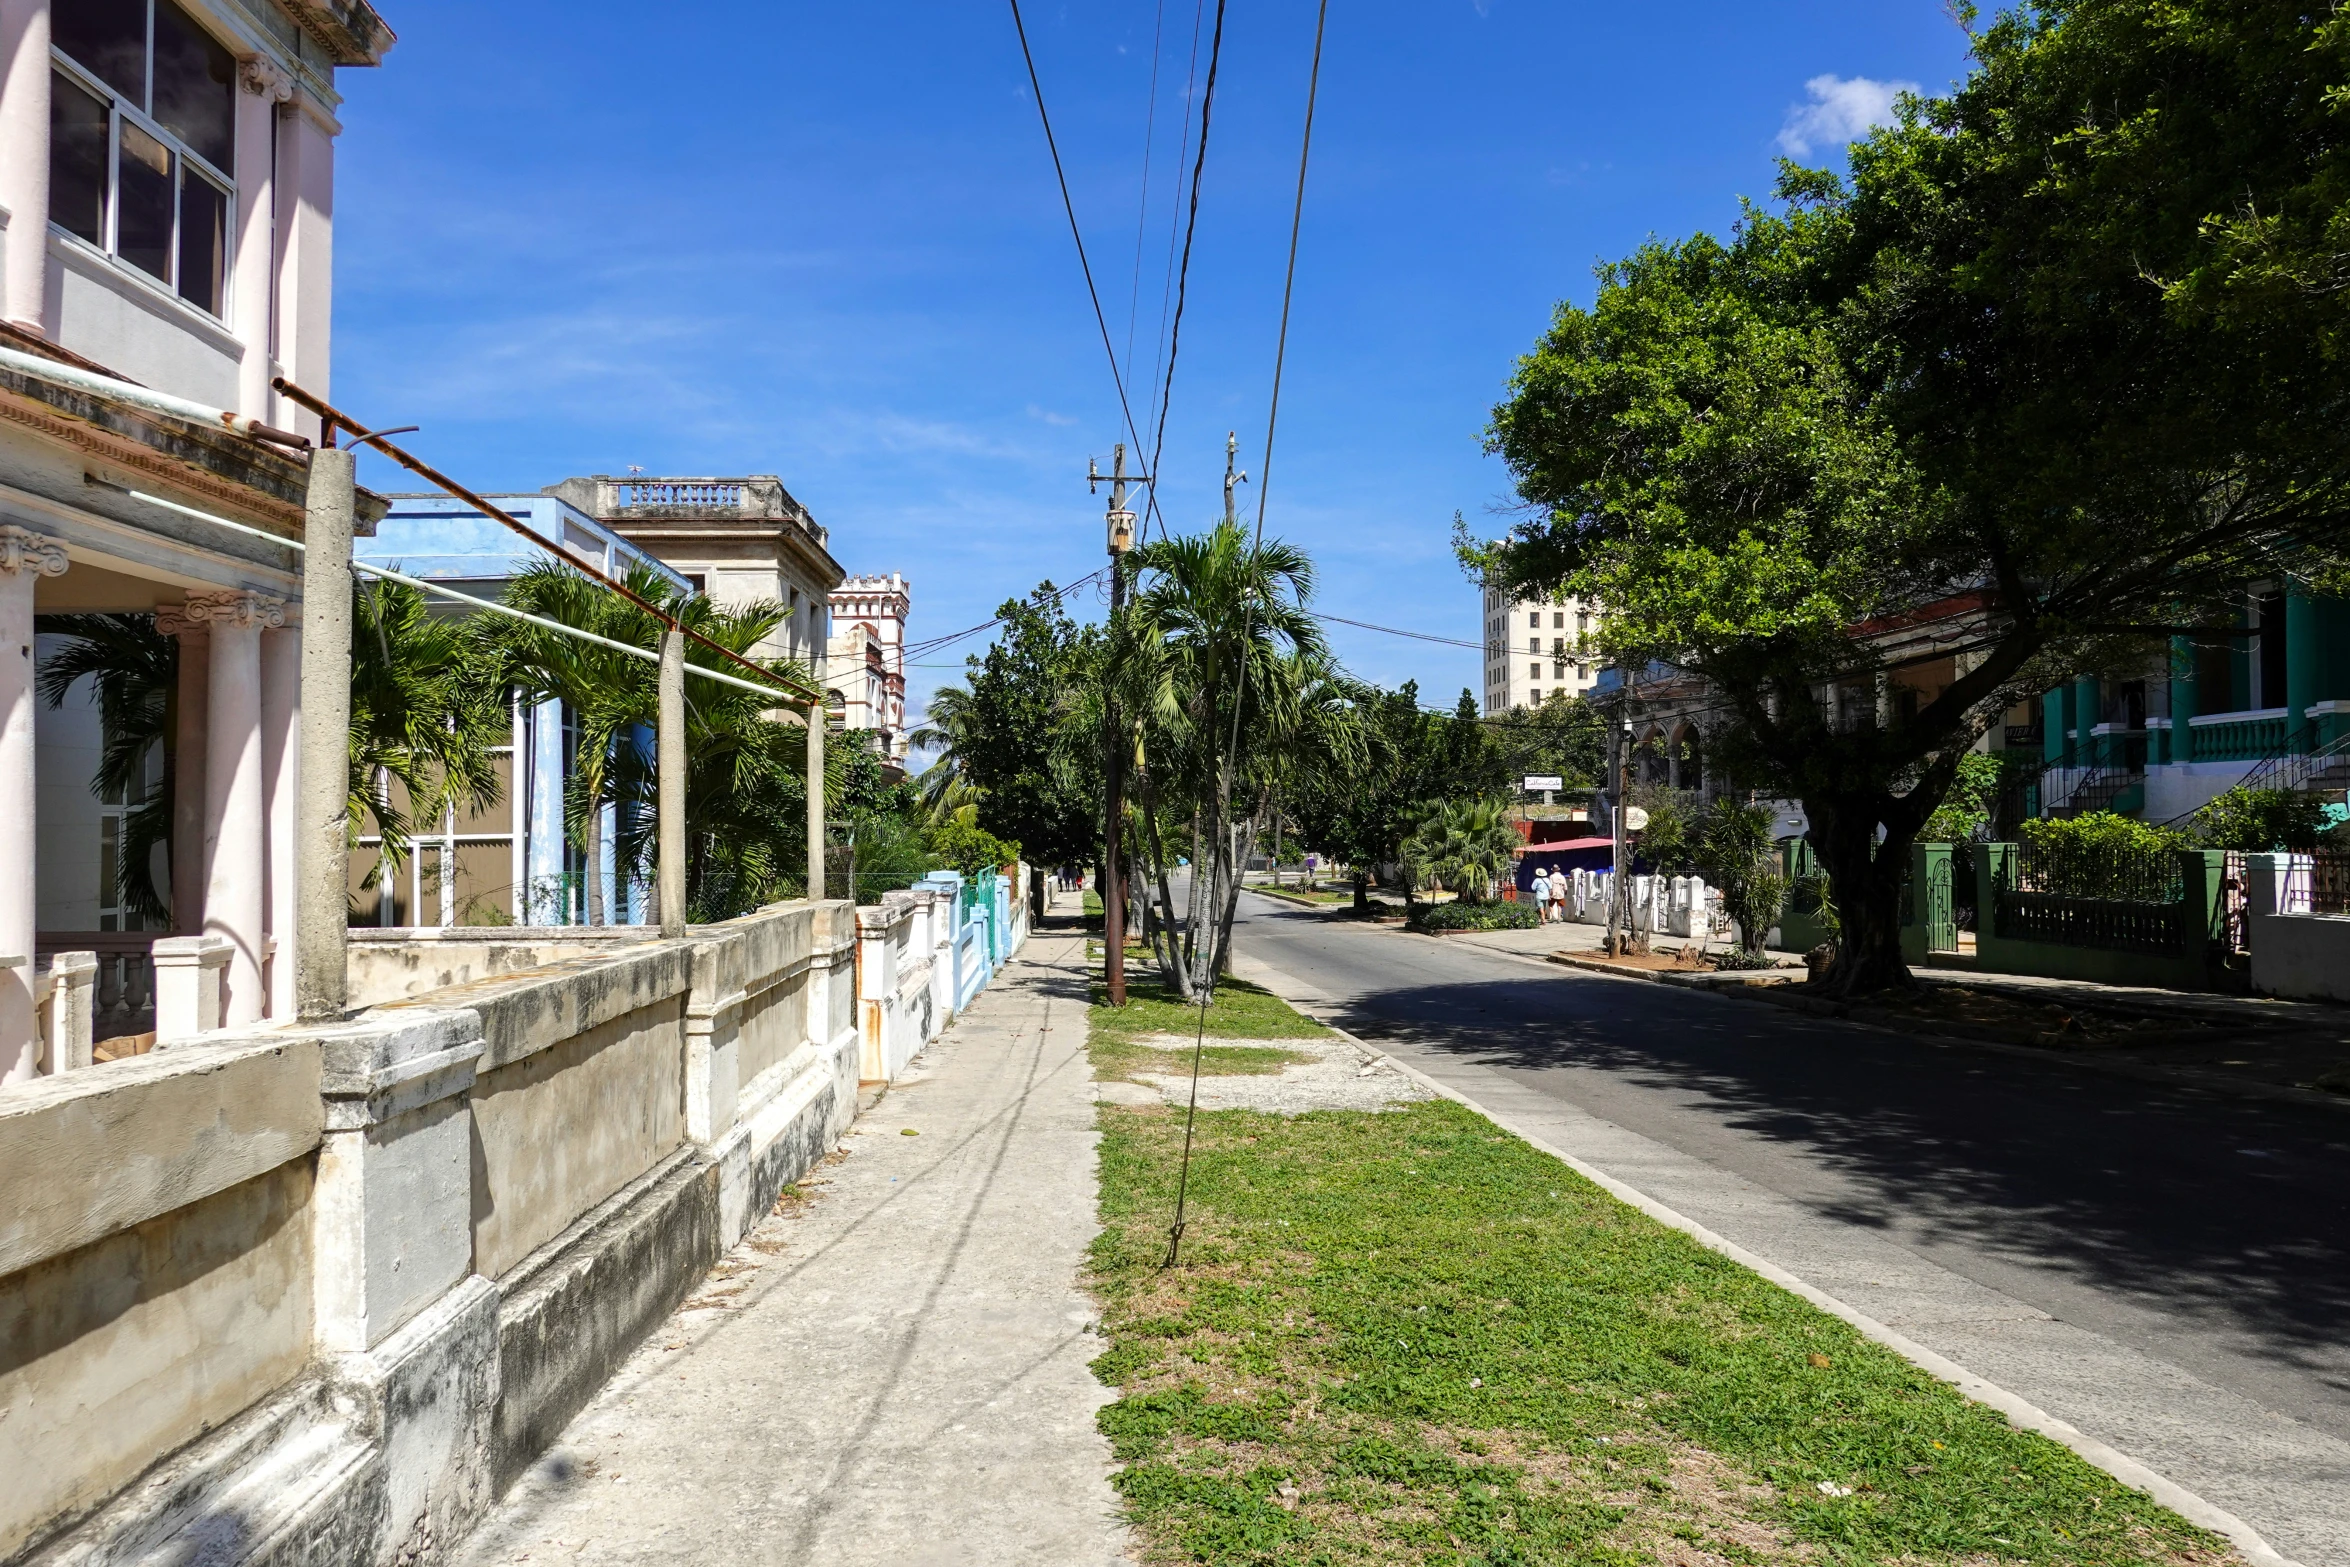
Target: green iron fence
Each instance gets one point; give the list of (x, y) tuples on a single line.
[(2113, 898)]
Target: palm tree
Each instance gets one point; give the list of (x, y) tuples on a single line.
[(745, 782), (135, 669), (946, 728), (426, 711), (1464, 847), (1208, 661)]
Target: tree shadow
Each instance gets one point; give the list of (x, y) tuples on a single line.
[(2235, 1213)]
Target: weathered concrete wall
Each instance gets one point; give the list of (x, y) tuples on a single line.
[(398, 963), (565, 1127), (314, 1294), (2302, 956), (155, 1264)]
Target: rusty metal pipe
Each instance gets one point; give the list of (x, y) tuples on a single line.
[(335, 418)]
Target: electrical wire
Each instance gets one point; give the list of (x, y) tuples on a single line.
[(1199, 11), (1207, 107), (1142, 214), (1070, 207), (1398, 631), (934, 644), (1240, 696)]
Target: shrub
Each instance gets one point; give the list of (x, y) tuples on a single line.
[(2262, 820), (1475, 916), (2102, 855), (970, 848)]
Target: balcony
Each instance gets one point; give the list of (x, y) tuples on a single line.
[(756, 497), (2236, 737)]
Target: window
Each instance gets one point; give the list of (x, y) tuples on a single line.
[(1558, 620), (1533, 644), (141, 133), (1533, 671), (1558, 671), (1536, 619), (1534, 698)]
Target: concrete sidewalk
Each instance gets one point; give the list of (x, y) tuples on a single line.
[(893, 1370)]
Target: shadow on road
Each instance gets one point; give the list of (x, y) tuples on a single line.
[(2236, 1212)]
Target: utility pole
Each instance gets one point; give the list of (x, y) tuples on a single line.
[(1618, 729), (1121, 539), (1231, 476)]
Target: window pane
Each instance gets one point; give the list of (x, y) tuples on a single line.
[(142, 228), (195, 86), (203, 239), (77, 161), (107, 38)]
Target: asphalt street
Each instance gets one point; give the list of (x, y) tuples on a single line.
[(2166, 1268)]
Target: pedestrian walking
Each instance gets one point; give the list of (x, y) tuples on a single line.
[(1559, 892), (1541, 891)]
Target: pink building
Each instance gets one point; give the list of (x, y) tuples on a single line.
[(867, 667), (166, 219)]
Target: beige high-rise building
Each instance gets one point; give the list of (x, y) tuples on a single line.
[(1536, 647)]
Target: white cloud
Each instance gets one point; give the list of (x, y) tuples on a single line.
[(1841, 110)]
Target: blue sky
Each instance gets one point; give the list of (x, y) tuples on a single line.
[(824, 241)]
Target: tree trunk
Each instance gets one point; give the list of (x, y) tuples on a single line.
[(595, 867), (1193, 901), (1166, 945), (1248, 843), (1362, 881), (1864, 878)]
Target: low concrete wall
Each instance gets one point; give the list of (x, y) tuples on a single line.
[(2305, 957), (316, 1294), (155, 1263), (393, 963)]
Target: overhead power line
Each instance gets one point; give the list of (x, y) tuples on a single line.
[(1398, 631), (1297, 215), (1068, 206), (1240, 696), (1207, 107)]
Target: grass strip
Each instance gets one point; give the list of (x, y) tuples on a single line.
[(1240, 1010), (1407, 1336)]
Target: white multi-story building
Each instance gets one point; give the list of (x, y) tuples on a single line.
[(868, 663), (1535, 648)]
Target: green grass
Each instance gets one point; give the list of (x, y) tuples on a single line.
[(1093, 904), (1239, 1011), (1410, 1337)]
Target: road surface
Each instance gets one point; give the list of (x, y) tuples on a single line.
[(2165, 1268)]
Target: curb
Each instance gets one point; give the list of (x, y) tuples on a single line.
[(1952, 1036), (2020, 1411)]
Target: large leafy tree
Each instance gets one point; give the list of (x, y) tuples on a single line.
[(2055, 369), (1000, 732)]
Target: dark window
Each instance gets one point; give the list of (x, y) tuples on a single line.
[(142, 228), (121, 172), (107, 38), (77, 161), (2272, 650), (195, 86), (203, 240)]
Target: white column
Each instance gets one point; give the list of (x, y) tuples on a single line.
[(281, 767), (24, 161), (23, 557), (262, 86), (236, 832)]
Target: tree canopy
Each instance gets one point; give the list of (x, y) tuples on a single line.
[(2054, 368)]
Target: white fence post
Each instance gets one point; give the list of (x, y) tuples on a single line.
[(188, 975)]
